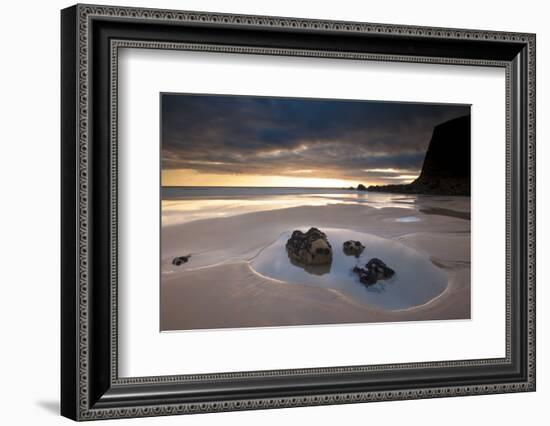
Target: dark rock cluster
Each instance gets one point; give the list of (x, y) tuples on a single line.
[(180, 260), (309, 248), (353, 248), (373, 271)]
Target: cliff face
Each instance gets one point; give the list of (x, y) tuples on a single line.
[(446, 168), (448, 155)]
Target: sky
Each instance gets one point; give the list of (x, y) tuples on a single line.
[(224, 140)]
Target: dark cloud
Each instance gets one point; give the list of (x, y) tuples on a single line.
[(321, 138)]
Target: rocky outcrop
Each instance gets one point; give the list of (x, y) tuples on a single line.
[(446, 168), (374, 271), (353, 248), (309, 248)]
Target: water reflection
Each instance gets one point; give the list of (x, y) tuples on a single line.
[(408, 219), (312, 269), (182, 205), (416, 279), (187, 210)]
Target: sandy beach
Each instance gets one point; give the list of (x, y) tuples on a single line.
[(230, 241)]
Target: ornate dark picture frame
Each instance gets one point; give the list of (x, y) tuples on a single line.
[(90, 385)]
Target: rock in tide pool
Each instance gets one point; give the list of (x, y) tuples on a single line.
[(180, 260), (416, 279), (374, 271), (353, 248), (310, 248)]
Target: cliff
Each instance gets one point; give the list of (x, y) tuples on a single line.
[(446, 168)]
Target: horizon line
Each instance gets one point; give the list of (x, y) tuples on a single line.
[(264, 186)]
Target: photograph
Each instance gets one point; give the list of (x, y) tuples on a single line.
[(264, 207), (280, 211)]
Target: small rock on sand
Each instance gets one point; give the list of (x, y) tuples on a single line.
[(180, 260)]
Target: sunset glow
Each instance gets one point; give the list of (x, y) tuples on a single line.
[(189, 177), (224, 140)]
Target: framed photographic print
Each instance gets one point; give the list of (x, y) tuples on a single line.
[(263, 212)]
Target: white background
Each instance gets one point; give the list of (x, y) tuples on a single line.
[(146, 352), (29, 225)]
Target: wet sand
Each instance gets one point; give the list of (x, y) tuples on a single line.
[(218, 288)]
